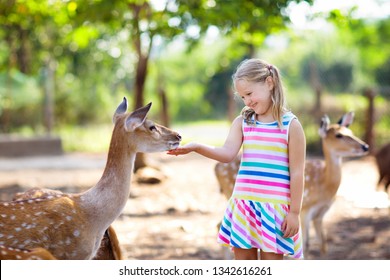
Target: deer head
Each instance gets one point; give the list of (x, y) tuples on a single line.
[(142, 134), (339, 140)]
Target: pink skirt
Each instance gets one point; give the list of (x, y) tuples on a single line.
[(250, 224)]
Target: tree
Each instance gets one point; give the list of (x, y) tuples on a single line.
[(247, 22), (143, 24), (30, 36), (370, 37)]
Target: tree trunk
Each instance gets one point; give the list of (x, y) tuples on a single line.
[(140, 79), (23, 52), (164, 115), (48, 93), (142, 67)]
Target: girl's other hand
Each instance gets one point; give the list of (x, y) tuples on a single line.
[(290, 225), (190, 147)]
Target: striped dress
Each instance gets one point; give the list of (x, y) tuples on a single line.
[(261, 195)]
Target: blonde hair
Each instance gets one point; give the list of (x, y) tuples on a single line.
[(256, 70)]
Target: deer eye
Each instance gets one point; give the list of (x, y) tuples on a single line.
[(152, 127), (339, 135)]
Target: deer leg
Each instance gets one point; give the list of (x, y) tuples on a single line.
[(381, 176), (305, 231), (317, 222), (387, 184)]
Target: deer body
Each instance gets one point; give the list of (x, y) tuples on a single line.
[(9, 253), (382, 159), (109, 248), (322, 177), (322, 180), (71, 226)]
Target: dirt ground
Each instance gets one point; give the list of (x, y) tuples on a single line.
[(177, 219)]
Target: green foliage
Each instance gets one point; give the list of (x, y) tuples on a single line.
[(192, 49), (247, 21), (95, 138), (217, 92), (20, 101), (185, 75), (91, 138), (91, 45), (336, 77), (382, 74), (370, 38)]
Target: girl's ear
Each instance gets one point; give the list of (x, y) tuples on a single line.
[(270, 82)]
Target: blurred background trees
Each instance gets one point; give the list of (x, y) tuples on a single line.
[(64, 65)]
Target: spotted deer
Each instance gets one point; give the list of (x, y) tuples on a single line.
[(72, 226), (10, 253), (322, 176), (109, 248)]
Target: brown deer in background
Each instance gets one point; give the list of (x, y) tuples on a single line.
[(382, 158), (72, 226), (322, 177)]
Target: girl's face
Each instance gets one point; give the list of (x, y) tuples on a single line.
[(256, 95)]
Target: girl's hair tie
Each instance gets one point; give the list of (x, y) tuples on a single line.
[(270, 67)]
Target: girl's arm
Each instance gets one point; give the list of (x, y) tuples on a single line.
[(297, 155), (226, 153)]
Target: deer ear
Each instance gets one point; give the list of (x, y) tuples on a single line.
[(122, 108), (324, 126), (137, 118), (347, 119)]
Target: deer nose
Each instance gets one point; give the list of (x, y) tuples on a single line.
[(365, 147), (178, 137)]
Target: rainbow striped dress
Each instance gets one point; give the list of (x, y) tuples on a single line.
[(261, 195)]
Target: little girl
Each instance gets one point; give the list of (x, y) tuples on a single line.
[(263, 212)]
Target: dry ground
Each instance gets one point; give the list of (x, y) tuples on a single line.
[(177, 219)]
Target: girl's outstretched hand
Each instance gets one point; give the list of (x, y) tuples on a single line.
[(182, 150)]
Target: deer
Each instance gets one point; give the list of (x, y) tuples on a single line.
[(109, 248), (9, 253), (382, 159), (322, 176), (71, 226)]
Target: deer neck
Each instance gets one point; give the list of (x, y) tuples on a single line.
[(332, 171), (106, 200)]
